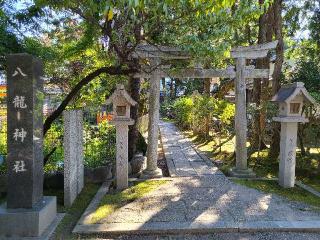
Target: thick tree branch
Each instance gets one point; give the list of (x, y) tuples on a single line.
[(108, 70)]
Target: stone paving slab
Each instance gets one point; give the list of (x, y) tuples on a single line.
[(199, 227), (199, 198)]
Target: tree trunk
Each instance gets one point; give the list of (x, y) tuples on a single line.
[(275, 144), (257, 85), (134, 90)]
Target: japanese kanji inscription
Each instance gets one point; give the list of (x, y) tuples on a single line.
[(25, 156)]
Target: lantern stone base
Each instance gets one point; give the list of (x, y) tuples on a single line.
[(18, 223), (147, 174), (242, 173)]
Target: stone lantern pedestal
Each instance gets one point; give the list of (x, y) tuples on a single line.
[(122, 153), (122, 102), (291, 99), (288, 144)]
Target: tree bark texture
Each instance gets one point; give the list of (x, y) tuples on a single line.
[(275, 144), (134, 90)]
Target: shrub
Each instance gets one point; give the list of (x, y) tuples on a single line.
[(54, 139), (100, 144), (183, 110), (196, 111)]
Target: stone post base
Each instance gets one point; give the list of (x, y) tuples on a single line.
[(146, 174), (28, 222), (242, 173)]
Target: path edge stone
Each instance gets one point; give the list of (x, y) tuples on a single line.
[(103, 190)]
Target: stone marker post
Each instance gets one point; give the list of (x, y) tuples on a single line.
[(122, 102), (73, 155), (28, 213), (290, 98)]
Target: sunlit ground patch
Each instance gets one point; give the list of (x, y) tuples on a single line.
[(113, 201), (293, 194)]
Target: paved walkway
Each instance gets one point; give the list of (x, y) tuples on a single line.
[(200, 199)]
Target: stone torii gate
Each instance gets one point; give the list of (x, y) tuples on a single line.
[(241, 72)]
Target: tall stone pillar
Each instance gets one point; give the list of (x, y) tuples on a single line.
[(73, 155), (152, 169), (241, 169), (122, 156), (28, 213), (288, 144)]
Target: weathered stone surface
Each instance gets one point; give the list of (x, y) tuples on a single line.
[(288, 143), (25, 123), (122, 156), (80, 155), (240, 116), (73, 155), (153, 128), (98, 175), (29, 222), (121, 100), (137, 163)]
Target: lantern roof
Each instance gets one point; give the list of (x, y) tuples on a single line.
[(290, 91), (119, 94)]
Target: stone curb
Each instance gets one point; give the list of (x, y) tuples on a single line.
[(152, 228), (170, 164), (307, 188), (298, 183), (94, 203)]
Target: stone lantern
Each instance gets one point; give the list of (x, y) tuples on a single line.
[(291, 99), (122, 102)]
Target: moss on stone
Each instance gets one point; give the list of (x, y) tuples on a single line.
[(73, 213)]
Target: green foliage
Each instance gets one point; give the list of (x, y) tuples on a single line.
[(54, 139), (309, 73), (227, 113), (194, 111), (183, 110), (100, 145), (3, 138)]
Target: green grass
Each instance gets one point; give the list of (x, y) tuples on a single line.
[(306, 167), (293, 194), (64, 229), (112, 202)]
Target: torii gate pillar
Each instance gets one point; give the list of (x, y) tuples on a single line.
[(241, 54), (241, 119), (152, 169)]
